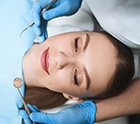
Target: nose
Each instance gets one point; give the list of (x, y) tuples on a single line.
[(63, 60)]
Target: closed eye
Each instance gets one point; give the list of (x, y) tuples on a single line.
[(75, 77), (76, 45)]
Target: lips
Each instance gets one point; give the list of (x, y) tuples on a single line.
[(44, 60)]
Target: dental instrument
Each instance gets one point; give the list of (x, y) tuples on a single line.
[(18, 84), (44, 10)]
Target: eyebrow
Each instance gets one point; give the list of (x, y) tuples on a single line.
[(86, 42), (87, 78), (84, 69)]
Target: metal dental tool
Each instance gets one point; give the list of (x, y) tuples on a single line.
[(18, 84), (44, 10)]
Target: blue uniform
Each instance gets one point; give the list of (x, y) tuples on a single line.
[(14, 18)]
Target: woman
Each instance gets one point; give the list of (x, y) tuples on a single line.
[(46, 65), (75, 61), (69, 55), (121, 20)]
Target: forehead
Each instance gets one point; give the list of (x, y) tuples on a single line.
[(101, 64), (67, 35)]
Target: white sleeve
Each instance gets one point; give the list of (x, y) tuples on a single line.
[(120, 18)]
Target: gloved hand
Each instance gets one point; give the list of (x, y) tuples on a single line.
[(59, 8), (82, 113), (25, 115)]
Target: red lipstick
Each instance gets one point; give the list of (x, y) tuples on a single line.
[(44, 60)]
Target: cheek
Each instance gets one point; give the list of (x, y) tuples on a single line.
[(59, 81)]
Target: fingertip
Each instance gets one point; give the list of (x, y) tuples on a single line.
[(41, 39), (30, 106), (39, 117), (27, 121), (23, 113), (52, 13), (33, 116), (46, 16)]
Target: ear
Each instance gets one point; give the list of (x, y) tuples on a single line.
[(70, 97)]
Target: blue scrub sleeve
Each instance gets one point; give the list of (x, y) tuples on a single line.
[(14, 18)]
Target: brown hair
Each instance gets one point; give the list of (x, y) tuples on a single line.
[(44, 98), (124, 69)]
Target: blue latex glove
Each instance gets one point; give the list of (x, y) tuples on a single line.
[(82, 113), (25, 115), (59, 8)]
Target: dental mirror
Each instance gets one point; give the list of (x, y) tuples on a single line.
[(18, 84)]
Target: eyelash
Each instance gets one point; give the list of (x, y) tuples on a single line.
[(76, 45), (75, 77)]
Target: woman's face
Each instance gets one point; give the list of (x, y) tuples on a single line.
[(79, 64)]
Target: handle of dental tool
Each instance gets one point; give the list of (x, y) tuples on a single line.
[(47, 7), (60, 8), (44, 10), (25, 105), (26, 118)]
